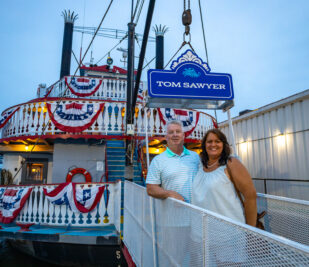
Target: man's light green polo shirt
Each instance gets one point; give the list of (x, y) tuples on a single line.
[(174, 172)]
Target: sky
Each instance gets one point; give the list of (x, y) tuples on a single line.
[(263, 44)]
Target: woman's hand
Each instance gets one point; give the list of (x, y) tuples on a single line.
[(245, 186)]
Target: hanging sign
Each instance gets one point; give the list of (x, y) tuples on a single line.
[(190, 78)]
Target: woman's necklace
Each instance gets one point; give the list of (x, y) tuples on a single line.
[(209, 166)]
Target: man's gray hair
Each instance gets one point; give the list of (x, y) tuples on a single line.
[(179, 123)]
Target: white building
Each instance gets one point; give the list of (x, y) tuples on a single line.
[(273, 143)]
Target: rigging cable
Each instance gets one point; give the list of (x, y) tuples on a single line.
[(186, 21), (201, 15), (94, 35), (61, 98), (75, 56), (147, 63), (82, 37), (135, 10), (140, 11), (205, 46)]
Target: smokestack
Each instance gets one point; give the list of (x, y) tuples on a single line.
[(160, 31), (69, 19)]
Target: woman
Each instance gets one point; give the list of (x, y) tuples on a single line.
[(214, 190)]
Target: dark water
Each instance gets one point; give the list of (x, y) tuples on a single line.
[(12, 257)]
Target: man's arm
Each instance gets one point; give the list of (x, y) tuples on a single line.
[(157, 191)]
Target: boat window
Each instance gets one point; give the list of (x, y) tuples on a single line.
[(35, 171)]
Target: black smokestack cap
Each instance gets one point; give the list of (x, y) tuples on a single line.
[(160, 31), (69, 19)]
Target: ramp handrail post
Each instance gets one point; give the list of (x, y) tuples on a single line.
[(152, 217), (231, 132)]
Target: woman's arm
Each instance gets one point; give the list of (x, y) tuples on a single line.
[(244, 184)]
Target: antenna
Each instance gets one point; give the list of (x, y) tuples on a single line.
[(124, 55)]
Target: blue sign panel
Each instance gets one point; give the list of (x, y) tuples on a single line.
[(190, 77)]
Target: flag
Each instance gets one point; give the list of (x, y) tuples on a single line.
[(6, 115), (74, 117), (11, 202), (82, 86), (77, 199), (188, 118)]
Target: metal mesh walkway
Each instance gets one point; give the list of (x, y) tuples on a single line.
[(174, 233)]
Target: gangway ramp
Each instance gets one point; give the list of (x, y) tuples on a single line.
[(173, 233)]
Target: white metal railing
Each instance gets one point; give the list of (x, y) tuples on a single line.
[(173, 233), (39, 210), (33, 117), (286, 217), (109, 89)]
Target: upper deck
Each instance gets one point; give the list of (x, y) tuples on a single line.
[(107, 99)]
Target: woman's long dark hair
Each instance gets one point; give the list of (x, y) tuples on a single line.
[(225, 152)]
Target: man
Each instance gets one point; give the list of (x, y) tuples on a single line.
[(171, 173)]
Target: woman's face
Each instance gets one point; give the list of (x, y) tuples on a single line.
[(214, 146)]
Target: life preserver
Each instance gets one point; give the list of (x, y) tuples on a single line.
[(76, 171)]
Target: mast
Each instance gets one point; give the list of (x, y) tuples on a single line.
[(142, 54), (130, 73)]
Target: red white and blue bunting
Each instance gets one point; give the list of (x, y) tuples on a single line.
[(5, 116), (77, 199), (140, 94), (83, 86), (11, 202), (188, 118), (74, 117)]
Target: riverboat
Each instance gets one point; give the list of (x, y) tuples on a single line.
[(74, 169), (75, 131)]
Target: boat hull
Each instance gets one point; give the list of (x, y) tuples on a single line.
[(66, 254)]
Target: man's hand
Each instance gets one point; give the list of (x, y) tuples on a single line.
[(175, 195), (157, 191)]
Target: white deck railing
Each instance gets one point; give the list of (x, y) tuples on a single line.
[(39, 210), (110, 89), (173, 233), (33, 117)]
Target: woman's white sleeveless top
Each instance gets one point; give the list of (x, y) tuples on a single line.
[(214, 191)]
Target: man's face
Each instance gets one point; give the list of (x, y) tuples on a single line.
[(174, 135)]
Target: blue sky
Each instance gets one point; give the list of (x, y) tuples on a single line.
[(262, 44)]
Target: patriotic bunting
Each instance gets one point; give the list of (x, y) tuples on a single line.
[(83, 86), (188, 118), (5, 116), (77, 199), (74, 117), (214, 122), (140, 94), (11, 202)]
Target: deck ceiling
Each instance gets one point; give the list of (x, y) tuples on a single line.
[(26, 145)]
